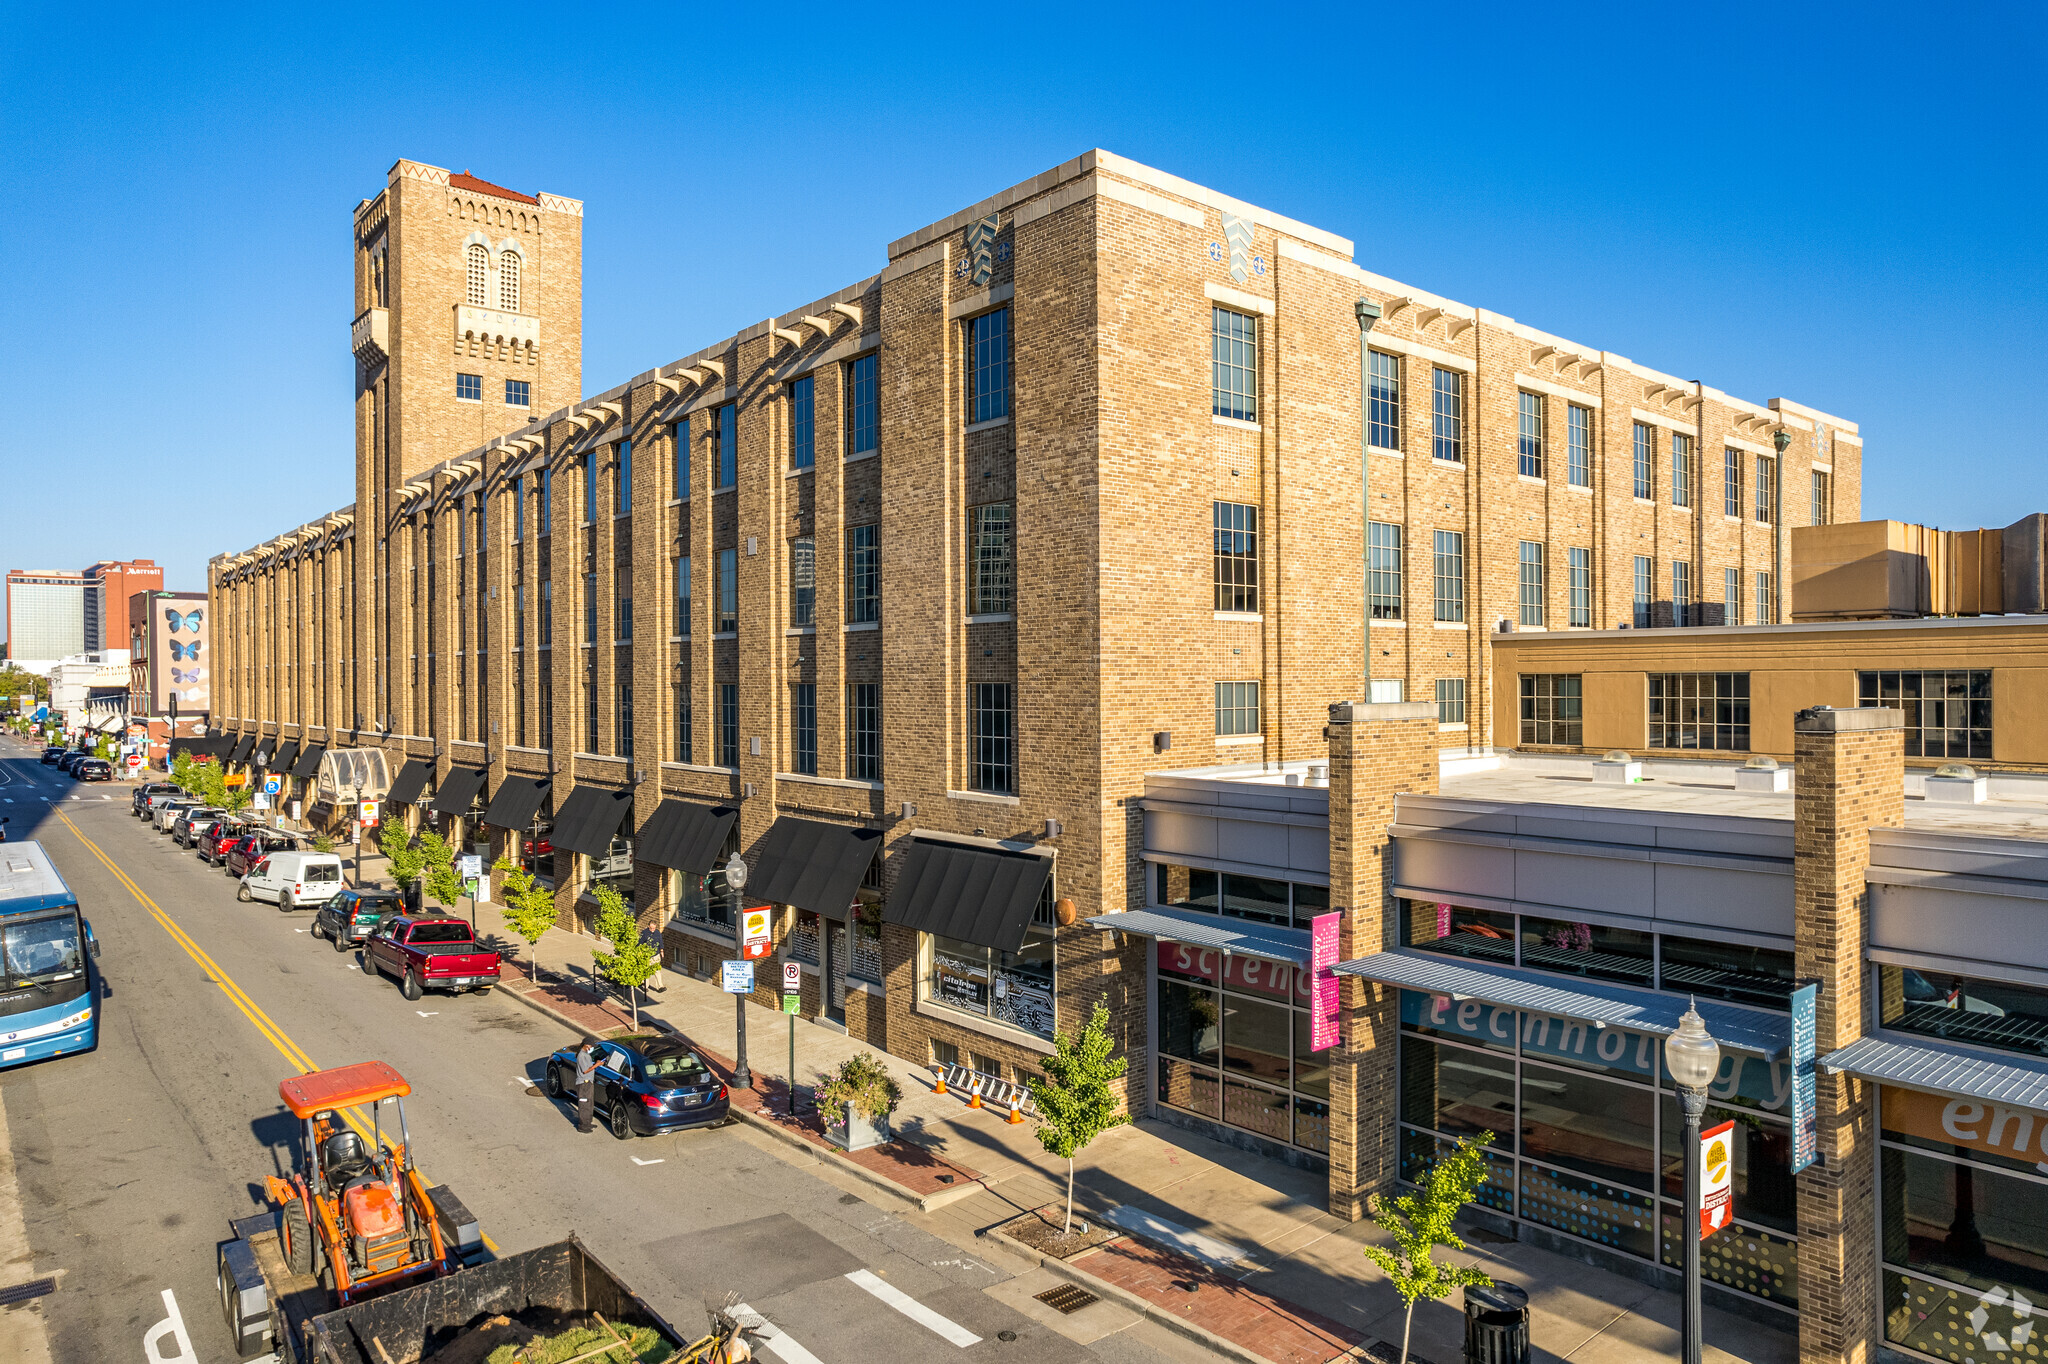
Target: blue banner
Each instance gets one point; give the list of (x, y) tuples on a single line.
[(1804, 1146)]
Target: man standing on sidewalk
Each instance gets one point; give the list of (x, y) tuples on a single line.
[(586, 1083)]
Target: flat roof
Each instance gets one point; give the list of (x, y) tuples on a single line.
[(1567, 638)]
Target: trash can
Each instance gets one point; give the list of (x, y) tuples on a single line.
[(1496, 1325)]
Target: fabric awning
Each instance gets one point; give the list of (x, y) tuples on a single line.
[(244, 746), (813, 865), (287, 754), (410, 781), (1622, 1006), (1934, 1068), (685, 835), (458, 790), (261, 757), (309, 761), (1239, 937), (590, 816), (979, 894), (515, 802)]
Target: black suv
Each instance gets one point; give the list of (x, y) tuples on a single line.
[(52, 753), (353, 915), (94, 769)]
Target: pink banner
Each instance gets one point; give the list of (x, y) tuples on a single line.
[(1322, 957)]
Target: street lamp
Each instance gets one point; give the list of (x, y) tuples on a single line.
[(736, 879), (1694, 1059)]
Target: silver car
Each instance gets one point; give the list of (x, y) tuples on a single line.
[(168, 812), (188, 827)]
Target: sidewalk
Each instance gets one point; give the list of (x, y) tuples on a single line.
[(1273, 1276)]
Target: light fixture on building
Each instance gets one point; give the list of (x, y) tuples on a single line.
[(1780, 440), (1162, 740), (1052, 828)]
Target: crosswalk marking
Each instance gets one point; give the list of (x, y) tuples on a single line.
[(915, 1310), (774, 1338)]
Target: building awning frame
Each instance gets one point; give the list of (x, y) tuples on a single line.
[(685, 835), (1937, 1068), (1236, 937), (244, 746), (968, 891), (286, 755), (458, 789), (516, 801), (813, 865), (410, 781), (309, 761), (587, 820)]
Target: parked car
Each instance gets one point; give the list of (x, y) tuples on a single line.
[(148, 789), (167, 813), (253, 847), (225, 833), (52, 753), (429, 954), (190, 826), (70, 761), (646, 1084), (353, 915), (94, 769), (292, 879)]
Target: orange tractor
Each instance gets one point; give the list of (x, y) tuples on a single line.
[(357, 1214)]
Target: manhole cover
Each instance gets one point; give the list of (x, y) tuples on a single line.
[(1067, 1299), (16, 1294)]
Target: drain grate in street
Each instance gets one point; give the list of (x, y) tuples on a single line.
[(1067, 1299), (14, 1295)]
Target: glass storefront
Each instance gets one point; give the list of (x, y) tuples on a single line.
[(1010, 987), (1234, 1045)]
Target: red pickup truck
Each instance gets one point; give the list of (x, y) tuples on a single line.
[(429, 954)]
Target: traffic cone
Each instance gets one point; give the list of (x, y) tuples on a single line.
[(974, 1095), (1015, 1117), (940, 1087)]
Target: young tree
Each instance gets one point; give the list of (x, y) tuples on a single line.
[(442, 882), (1075, 1102), (1420, 1225), (529, 908), (633, 960), (406, 861)]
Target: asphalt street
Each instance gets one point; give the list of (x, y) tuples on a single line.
[(132, 1159)]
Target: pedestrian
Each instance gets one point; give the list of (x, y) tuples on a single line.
[(586, 1084)]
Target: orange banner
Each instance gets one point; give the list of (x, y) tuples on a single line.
[(1979, 1124)]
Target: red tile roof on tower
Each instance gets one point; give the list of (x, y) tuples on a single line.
[(464, 180)]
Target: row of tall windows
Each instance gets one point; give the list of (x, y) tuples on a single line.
[(1683, 605)]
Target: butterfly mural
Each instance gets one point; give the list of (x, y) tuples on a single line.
[(187, 651), (190, 620), (182, 675)]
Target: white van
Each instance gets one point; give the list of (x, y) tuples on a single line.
[(293, 879)]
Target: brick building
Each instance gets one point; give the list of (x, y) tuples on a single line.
[(900, 593)]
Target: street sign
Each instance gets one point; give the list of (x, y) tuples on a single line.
[(469, 866), (792, 977), (297, 808), (272, 784), (754, 937), (134, 761), (235, 779), (1717, 1170), (736, 977), (259, 801), (792, 1004), (1805, 1144), (367, 813)]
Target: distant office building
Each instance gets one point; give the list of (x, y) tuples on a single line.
[(167, 652), (53, 615)]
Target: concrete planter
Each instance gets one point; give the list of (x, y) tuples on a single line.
[(849, 1131)]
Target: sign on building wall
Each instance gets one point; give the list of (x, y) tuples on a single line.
[(1804, 1142), (1981, 1125), (1234, 972), (182, 654), (1325, 991), (1717, 1174)]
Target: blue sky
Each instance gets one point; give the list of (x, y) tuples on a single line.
[(1840, 206)]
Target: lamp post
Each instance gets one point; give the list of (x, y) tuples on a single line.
[(1694, 1059), (736, 879), (1781, 440)]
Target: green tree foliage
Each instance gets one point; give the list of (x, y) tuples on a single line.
[(1076, 1103), (442, 882), (633, 960), (20, 682), (406, 861), (1420, 1224), (529, 907), (864, 1082)]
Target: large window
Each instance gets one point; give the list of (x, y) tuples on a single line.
[(1449, 574), (469, 388), (989, 556), (803, 450), (1699, 710), (1553, 708), (1237, 708), (1450, 700), (1645, 590), (1383, 570), (728, 724), (990, 345), (803, 708), (1010, 987), (725, 440), (1447, 415), (863, 575), (547, 613), (1681, 593), (518, 393), (1766, 487), (863, 421), (1529, 434), (1239, 897), (1979, 1013), (1234, 365), (1383, 400), (682, 463), (545, 518), (477, 260), (728, 587), (622, 479), (622, 722), (1731, 482), (1947, 712), (1766, 601), (803, 581), (590, 609), (1237, 556), (1581, 587), (1823, 500), (1646, 461), (994, 768), (588, 468), (864, 731), (1530, 568), (1681, 470), (1579, 446), (686, 727), (683, 596)]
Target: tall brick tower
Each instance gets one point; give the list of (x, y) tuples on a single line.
[(468, 322)]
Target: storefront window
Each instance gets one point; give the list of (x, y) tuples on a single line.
[(803, 938), (865, 960), (1745, 1258), (1461, 932), (614, 867), (1258, 898), (1253, 897), (1190, 1022), (1234, 1039), (1722, 970), (1966, 1223), (1761, 1182), (1587, 1123), (1592, 950), (1010, 987), (1462, 1093), (1983, 1013)]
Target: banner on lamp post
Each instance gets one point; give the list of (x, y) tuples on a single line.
[(1717, 1172), (1326, 989)]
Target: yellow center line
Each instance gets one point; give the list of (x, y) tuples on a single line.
[(278, 1038)]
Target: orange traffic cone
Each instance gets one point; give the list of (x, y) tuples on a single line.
[(940, 1087), (974, 1095), (1015, 1117)]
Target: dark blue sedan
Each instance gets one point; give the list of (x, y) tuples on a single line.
[(647, 1083)]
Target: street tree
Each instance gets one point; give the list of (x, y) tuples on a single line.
[(1419, 1225), (1076, 1103), (442, 882), (406, 862), (633, 960), (529, 908)]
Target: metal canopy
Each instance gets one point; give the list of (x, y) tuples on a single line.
[(309, 761), (589, 817), (1652, 1011), (515, 802), (458, 790), (1239, 937), (1938, 1069), (985, 896), (813, 865), (685, 835), (410, 781)]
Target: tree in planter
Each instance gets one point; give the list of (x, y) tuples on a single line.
[(633, 960), (1075, 1101), (442, 882), (529, 908), (1420, 1224), (863, 1082)]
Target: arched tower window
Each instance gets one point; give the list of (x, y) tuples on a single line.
[(479, 271), (508, 281)]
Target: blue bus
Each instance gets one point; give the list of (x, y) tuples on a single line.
[(47, 980)]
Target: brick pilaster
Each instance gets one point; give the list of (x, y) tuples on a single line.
[(1376, 752), (1849, 777)]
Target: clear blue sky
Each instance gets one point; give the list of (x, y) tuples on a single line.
[(1843, 208)]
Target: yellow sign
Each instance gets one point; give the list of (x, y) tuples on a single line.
[(235, 779)]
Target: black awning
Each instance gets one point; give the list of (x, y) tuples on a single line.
[(813, 865), (410, 781), (515, 802), (586, 821), (282, 760), (309, 761), (685, 835), (982, 895), (261, 757), (243, 748), (458, 790)]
